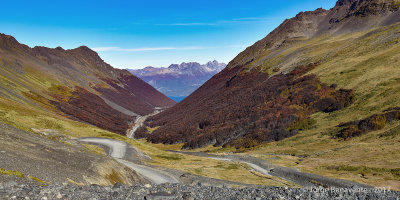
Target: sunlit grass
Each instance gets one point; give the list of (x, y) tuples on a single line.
[(369, 64), (26, 118)]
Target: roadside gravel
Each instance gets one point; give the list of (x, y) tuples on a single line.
[(181, 191)]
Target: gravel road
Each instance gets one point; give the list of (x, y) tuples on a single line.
[(286, 173), (153, 175), (118, 149), (139, 122)]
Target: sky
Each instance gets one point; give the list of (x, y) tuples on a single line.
[(138, 33)]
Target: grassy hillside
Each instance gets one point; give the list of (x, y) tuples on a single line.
[(264, 95), (254, 102), (75, 83), (367, 62)]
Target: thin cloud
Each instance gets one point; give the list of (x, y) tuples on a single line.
[(99, 49), (237, 46), (132, 50), (189, 24), (221, 22), (257, 19)]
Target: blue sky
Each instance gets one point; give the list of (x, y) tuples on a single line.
[(139, 33)]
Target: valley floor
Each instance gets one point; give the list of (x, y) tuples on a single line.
[(296, 152)]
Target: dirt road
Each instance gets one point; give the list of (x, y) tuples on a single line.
[(289, 174), (118, 149)]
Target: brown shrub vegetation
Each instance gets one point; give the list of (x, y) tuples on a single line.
[(85, 106), (371, 123), (245, 109), (134, 94)]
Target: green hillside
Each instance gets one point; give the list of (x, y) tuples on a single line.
[(353, 48), (369, 63)]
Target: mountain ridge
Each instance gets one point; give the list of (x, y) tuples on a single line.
[(342, 18), (75, 82), (264, 61)]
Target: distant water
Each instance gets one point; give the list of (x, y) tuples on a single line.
[(177, 99)]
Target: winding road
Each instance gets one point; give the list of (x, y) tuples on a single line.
[(153, 175), (118, 149), (289, 174), (139, 122)]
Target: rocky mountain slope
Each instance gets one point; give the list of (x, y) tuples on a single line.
[(267, 92), (348, 16), (76, 83), (42, 159), (179, 80)]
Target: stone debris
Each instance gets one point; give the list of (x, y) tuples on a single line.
[(186, 192)]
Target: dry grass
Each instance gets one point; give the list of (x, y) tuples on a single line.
[(12, 173), (114, 177), (316, 151), (20, 175), (37, 179), (212, 168), (150, 129), (369, 64), (94, 149), (74, 182)]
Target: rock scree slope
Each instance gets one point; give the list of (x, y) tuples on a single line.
[(182, 191), (29, 158)]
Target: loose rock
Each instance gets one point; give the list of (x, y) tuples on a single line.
[(187, 192)]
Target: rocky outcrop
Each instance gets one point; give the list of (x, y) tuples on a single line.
[(366, 8), (347, 16)]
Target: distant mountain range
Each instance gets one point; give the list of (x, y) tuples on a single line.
[(179, 80)]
